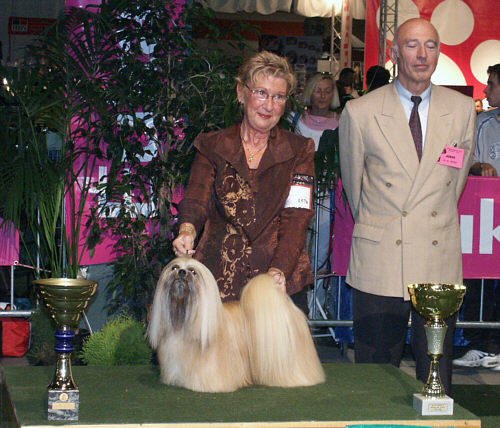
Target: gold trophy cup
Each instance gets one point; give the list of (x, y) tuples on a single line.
[(64, 299), (435, 302)]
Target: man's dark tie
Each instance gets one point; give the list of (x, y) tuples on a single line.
[(415, 127)]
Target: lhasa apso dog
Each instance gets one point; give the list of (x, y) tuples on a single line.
[(209, 346)]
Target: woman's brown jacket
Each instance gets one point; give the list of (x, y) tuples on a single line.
[(240, 215)]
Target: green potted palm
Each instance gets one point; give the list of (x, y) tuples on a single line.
[(118, 76), (51, 138)]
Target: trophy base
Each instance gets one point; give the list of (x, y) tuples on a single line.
[(63, 404), (429, 406)]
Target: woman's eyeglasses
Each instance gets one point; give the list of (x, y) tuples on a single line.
[(262, 95)]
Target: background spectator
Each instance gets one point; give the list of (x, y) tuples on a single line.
[(377, 76)]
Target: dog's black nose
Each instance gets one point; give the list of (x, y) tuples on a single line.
[(181, 273)]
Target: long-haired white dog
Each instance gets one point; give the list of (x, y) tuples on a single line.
[(209, 346)]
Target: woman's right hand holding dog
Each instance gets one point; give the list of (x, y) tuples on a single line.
[(184, 243), (279, 278)]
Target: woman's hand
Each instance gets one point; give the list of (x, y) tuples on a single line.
[(184, 243), (279, 277)]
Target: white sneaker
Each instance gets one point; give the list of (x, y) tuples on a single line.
[(473, 358), (492, 362)]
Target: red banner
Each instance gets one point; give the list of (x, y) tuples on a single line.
[(469, 33)]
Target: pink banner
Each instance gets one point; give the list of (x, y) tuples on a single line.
[(342, 233), (479, 211), (467, 45), (9, 244), (104, 252)]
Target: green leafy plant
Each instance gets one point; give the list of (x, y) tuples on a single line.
[(121, 341), (52, 134), (183, 86), (125, 81), (41, 350)]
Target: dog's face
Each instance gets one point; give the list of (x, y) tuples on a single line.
[(181, 287), (186, 302)]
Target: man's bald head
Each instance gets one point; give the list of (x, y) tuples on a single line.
[(407, 26), (416, 52)]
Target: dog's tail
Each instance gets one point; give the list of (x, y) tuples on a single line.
[(282, 352)]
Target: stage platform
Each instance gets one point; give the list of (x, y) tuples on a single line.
[(132, 396)]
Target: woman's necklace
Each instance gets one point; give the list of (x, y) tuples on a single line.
[(319, 118), (251, 155)]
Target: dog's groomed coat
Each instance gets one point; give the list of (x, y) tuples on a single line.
[(210, 346)]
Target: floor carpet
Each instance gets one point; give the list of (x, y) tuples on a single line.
[(482, 400)]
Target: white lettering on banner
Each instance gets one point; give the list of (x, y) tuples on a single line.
[(103, 174), (144, 209), (486, 230), (466, 233)]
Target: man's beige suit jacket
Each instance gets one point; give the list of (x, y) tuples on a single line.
[(405, 211)]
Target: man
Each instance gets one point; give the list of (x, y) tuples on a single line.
[(403, 192), (487, 155), (376, 77), (479, 105), (484, 344)]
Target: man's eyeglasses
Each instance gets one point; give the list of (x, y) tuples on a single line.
[(262, 95)]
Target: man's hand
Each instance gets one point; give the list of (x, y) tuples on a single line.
[(483, 169), (488, 170)]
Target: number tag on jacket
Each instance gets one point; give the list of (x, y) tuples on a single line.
[(301, 190), (452, 156)]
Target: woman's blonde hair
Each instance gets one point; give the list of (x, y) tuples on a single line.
[(267, 64), (311, 86)]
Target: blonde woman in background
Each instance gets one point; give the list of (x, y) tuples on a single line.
[(320, 99)]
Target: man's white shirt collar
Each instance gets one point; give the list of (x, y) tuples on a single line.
[(423, 109)]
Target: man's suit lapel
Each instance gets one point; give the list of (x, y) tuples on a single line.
[(392, 122), (438, 128)]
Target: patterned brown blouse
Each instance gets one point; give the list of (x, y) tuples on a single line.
[(240, 215)]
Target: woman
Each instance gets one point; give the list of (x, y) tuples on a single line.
[(249, 198), (321, 100), (345, 86)]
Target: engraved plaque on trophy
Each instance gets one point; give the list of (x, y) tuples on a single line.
[(64, 299), (435, 302)]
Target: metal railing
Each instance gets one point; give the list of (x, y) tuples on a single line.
[(317, 307)]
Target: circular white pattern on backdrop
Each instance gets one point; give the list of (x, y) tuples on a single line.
[(406, 10), (447, 72), (486, 53), (389, 65), (454, 21)]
